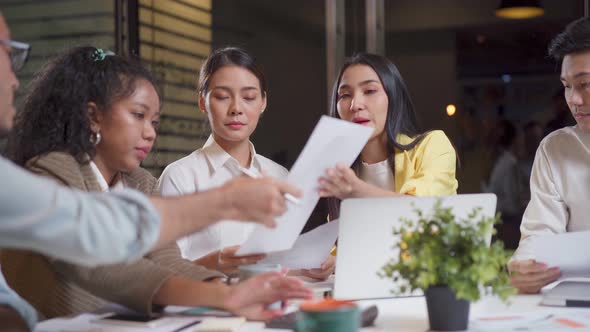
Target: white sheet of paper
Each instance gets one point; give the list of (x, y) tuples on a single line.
[(86, 323), (83, 323), (565, 251), (310, 249), (332, 141)]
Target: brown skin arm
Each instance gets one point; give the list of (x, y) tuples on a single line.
[(11, 321), (226, 260), (239, 299)]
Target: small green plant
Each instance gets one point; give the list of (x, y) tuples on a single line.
[(439, 250)]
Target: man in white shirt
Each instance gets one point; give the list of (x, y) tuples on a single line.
[(560, 179)]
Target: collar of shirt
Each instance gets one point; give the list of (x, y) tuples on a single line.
[(217, 157), (104, 186)]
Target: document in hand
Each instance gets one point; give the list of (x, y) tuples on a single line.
[(332, 141), (563, 251), (309, 251)]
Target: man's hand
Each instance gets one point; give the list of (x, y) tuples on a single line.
[(529, 276), (252, 297), (226, 260), (259, 200)]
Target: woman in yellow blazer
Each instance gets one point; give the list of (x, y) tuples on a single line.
[(398, 159)]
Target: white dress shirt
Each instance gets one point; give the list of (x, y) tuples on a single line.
[(206, 168), (102, 182), (560, 188)]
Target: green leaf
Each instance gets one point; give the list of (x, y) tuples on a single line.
[(438, 249)]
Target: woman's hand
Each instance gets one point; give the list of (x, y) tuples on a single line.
[(252, 297), (321, 273), (341, 182), (226, 260), (529, 276)]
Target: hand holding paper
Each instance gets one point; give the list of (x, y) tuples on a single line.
[(564, 251), (331, 142)]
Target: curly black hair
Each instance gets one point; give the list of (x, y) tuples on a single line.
[(55, 115)]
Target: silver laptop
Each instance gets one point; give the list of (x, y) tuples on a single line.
[(365, 238), (574, 292)]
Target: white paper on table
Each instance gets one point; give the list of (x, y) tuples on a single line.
[(332, 141), (310, 249), (85, 323), (564, 251), (532, 321)]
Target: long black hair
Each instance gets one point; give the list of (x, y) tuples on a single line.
[(401, 116), (55, 111)]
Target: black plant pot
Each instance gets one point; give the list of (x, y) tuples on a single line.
[(445, 311)]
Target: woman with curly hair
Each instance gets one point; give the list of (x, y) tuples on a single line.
[(90, 118)]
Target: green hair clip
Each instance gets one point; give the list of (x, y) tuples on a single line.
[(99, 54)]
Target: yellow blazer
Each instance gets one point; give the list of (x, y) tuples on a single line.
[(428, 169)]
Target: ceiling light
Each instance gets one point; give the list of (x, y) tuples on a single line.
[(519, 9), (451, 109)]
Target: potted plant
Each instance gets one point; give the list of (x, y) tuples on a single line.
[(451, 260)]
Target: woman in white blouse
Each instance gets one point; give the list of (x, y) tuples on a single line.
[(232, 93), (560, 180)]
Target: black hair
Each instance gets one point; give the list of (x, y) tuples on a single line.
[(575, 38), (228, 56), (55, 115), (401, 116)]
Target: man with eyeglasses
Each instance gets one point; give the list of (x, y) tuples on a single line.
[(92, 229), (18, 53)]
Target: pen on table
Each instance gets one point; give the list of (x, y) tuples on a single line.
[(288, 196), (179, 329)]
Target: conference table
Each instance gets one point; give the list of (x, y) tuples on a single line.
[(410, 315)]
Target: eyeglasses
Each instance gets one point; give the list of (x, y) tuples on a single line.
[(19, 52)]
